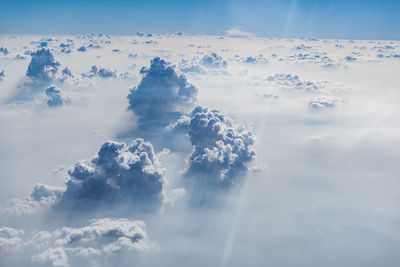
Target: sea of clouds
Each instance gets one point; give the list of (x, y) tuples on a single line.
[(181, 150)]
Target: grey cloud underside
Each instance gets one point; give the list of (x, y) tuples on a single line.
[(162, 96)]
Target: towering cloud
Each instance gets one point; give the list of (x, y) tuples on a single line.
[(118, 174), (43, 66), (221, 151), (162, 96)]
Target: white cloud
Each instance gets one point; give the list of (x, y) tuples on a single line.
[(235, 33)]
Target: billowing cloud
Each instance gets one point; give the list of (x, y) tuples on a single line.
[(101, 239), (214, 61), (19, 57), (118, 174), (323, 102), (303, 47), (54, 96), (162, 96), (100, 72), (81, 49), (42, 196), (221, 151), (43, 66), (292, 81), (187, 66), (95, 244), (10, 241), (4, 51)]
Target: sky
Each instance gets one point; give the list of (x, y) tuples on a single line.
[(347, 19)]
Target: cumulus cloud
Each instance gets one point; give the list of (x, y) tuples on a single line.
[(101, 239), (54, 96), (323, 102), (118, 174), (4, 51), (10, 241), (350, 58), (81, 49), (253, 59), (303, 47), (42, 196), (162, 96), (187, 66), (292, 81), (95, 244), (100, 72), (221, 151), (19, 57), (43, 66), (235, 33), (214, 61)]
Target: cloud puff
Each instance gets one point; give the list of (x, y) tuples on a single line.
[(54, 96), (350, 58), (162, 96), (100, 72), (10, 241), (43, 66), (221, 151), (43, 191), (303, 47), (187, 66), (214, 61), (291, 81), (252, 59), (92, 243), (42, 196), (323, 102), (19, 57), (4, 51), (235, 33), (81, 49), (118, 174)]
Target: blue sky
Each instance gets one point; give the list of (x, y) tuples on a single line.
[(354, 19)]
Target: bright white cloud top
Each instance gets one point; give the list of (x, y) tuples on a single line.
[(198, 150)]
